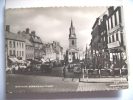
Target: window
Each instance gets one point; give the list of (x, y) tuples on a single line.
[(10, 52), (111, 22), (119, 14), (109, 39), (14, 52), (17, 53), (10, 44), (72, 42), (113, 39), (108, 25), (117, 38), (14, 44), (17, 44), (121, 38), (115, 19), (104, 38), (22, 53), (22, 45)]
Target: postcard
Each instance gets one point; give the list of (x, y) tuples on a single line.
[(65, 49)]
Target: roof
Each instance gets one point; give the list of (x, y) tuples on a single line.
[(97, 19), (13, 36), (28, 42), (36, 39)]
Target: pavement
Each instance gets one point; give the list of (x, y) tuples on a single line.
[(54, 82)]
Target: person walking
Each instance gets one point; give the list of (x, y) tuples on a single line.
[(64, 73)]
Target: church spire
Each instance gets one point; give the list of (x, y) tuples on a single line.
[(71, 23)]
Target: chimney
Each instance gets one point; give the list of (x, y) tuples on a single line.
[(105, 17), (33, 33), (110, 10), (8, 28), (27, 30)]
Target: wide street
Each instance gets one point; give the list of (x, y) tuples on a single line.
[(54, 82)]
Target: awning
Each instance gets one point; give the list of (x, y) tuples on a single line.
[(15, 60), (12, 60)]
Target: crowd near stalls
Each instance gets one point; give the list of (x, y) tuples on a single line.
[(15, 65), (37, 65)]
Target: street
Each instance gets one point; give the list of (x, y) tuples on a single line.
[(53, 82)]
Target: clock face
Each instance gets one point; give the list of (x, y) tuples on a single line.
[(72, 35)]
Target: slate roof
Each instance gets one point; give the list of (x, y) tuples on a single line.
[(36, 39), (28, 42), (13, 36)]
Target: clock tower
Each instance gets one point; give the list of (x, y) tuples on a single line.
[(72, 52), (72, 37)]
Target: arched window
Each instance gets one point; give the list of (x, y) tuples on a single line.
[(72, 42)]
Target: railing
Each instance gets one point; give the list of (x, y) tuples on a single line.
[(99, 72)]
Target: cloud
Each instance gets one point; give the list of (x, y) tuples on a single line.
[(52, 23)]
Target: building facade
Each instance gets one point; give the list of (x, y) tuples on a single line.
[(107, 43), (116, 44), (37, 43), (15, 44), (34, 44), (53, 51), (29, 50)]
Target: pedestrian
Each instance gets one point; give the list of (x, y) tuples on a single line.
[(64, 73)]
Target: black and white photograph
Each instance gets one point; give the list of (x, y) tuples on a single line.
[(65, 49)]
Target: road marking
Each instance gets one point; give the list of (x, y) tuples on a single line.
[(34, 86)]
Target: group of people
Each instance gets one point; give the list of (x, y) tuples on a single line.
[(75, 73)]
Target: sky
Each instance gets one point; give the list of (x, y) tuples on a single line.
[(53, 23)]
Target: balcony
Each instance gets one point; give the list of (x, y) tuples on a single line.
[(114, 44)]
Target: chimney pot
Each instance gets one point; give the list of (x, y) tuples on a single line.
[(27, 30), (33, 33), (111, 10)]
